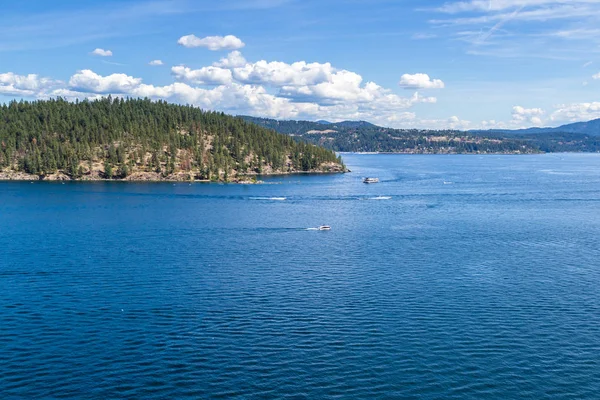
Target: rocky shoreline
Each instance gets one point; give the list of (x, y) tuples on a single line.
[(156, 177)]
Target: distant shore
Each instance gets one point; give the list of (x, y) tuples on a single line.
[(412, 153)]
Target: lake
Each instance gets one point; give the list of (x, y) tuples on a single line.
[(455, 277)]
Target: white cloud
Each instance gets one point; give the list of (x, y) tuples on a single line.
[(233, 98), (596, 76), (228, 42), (202, 76), (420, 81), (88, 81), (456, 123), (343, 98), (492, 124), (102, 53), (156, 62), (304, 84), (341, 86), (275, 89), (277, 73), (235, 59), (527, 115), (576, 112), (24, 85), (70, 95)]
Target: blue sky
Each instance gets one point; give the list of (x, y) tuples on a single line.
[(400, 63)]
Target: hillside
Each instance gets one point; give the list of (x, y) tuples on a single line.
[(144, 140), (360, 136), (589, 128)]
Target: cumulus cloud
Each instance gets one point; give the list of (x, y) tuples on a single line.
[(596, 76), (420, 81), (527, 115), (214, 43), (24, 85), (576, 112), (202, 76), (343, 98), (102, 53), (88, 81), (299, 90), (277, 73), (235, 59), (155, 62), (456, 123), (341, 86)]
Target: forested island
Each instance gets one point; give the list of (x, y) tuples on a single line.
[(140, 139), (362, 136)]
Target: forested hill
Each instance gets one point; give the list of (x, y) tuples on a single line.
[(144, 140), (364, 137)]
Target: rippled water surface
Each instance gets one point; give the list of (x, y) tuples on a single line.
[(454, 277)]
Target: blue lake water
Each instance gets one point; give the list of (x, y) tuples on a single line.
[(456, 277)]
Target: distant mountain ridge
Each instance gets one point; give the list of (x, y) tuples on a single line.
[(354, 124), (300, 127), (591, 128), (346, 124), (363, 136)]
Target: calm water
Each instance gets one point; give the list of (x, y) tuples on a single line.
[(455, 277)]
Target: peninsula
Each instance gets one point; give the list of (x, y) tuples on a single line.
[(140, 139)]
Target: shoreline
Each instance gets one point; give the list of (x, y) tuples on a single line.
[(449, 154), (250, 179)]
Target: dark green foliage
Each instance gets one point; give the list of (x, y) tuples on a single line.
[(132, 135), (364, 137), (108, 170)]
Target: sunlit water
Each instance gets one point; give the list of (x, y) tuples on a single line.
[(454, 277)]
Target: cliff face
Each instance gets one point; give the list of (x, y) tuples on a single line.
[(144, 140)]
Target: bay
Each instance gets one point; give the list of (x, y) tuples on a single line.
[(454, 277)]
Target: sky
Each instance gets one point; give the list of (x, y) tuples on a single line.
[(455, 64)]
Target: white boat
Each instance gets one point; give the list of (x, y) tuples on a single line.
[(370, 180), (324, 228)]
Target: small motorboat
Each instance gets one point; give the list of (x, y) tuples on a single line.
[(371, 180), (324, 228)]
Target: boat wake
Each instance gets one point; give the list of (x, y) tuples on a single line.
[(269, 198)]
